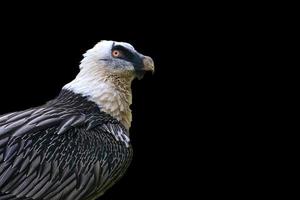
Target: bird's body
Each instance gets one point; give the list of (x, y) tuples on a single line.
[(68, 142), (74, 147)]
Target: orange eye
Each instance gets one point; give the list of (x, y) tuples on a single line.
[(116, 53)]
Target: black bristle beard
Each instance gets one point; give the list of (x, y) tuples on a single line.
[(140, 74)]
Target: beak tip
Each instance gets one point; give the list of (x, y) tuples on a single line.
[(148, 64)]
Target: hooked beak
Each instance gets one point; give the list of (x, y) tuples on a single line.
[(148, 65)]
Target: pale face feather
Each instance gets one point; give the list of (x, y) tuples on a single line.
[(106, 81)]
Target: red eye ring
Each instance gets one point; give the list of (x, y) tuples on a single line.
[(116, 53)]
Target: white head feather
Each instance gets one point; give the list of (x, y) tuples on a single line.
[(109, 88)]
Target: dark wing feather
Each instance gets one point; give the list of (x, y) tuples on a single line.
[(48, 153)]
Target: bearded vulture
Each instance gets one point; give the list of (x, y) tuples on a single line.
[(76, 146)]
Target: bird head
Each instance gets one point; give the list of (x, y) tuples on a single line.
[(105, 77), (118, 59)]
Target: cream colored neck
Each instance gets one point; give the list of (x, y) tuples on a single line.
[(110, 91)]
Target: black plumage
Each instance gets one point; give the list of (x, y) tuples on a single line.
[(67, 149)]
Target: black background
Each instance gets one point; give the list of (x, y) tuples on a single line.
[(41, 50), (187, 117)]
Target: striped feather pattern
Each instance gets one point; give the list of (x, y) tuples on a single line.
[(65, 150)]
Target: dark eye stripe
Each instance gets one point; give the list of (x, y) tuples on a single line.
[(127, 54)]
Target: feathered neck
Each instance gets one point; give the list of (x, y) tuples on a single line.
[(110, 91)]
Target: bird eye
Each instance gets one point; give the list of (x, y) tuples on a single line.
[(116, 53)]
